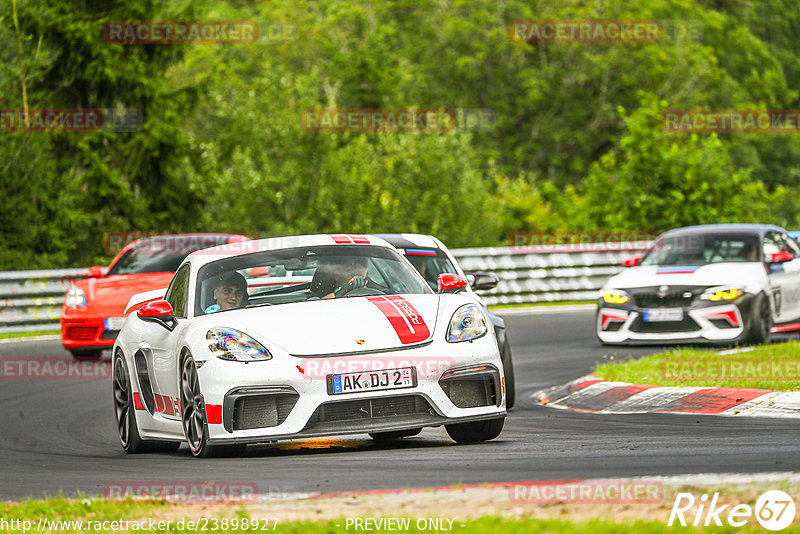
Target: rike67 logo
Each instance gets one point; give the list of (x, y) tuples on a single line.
[(774, 510)]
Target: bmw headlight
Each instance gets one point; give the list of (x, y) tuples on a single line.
[(616, 296), (718, 293), (466, 324), (75, 297), (233, 345)]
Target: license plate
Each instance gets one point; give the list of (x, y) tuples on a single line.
[(404, 377), (114, 323), (663, 314)]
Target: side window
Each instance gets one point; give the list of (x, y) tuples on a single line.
[(772, 244), (787, 244), (178, 292)]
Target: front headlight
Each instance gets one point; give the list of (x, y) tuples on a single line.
[(232, 345), (75, 298), (466, 324), (718, 293), (616, 296)]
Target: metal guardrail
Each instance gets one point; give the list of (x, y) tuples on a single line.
[(31, 301)]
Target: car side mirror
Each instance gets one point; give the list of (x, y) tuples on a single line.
[(159, 312), (482, 280), (632, 262), (95, 271), (782, 256), (451, 283)]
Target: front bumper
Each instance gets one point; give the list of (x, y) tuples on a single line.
[(702, 322), (298, 404), (80, 330)]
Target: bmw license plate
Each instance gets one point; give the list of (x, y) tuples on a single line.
[(114, 323), (405, 377), (663, 314)]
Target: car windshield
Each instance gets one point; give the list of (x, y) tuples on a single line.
[(430, 263), (303, 274), (700, 249), (162, 254)]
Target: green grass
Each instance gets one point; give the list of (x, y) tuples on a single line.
[(775, 366), (528, 305), (9, 335), (99, 510)]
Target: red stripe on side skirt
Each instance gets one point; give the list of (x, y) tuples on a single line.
[(137, 401), (214, 414), (404, 318)]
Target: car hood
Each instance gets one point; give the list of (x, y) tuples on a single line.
[(712, 274), (336, 326), (110, 294)]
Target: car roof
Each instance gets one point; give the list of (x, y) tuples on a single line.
[(722, 229), (201, 257), (411, 240)]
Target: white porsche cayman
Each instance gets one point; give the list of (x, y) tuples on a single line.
[(715, 283), (304, 336)]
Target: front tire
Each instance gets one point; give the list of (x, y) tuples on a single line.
[(127, 429), (508, 369), (193, 416), (758, 331), (477, 431)]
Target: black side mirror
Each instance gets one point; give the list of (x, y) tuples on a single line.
[(483, 280)]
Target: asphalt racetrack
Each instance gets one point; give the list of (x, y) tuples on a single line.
[(59, 436)]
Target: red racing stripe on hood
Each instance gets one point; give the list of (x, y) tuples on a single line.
[(404, 318)]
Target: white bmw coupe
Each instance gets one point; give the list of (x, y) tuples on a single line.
[(304, 336), (720, 283)]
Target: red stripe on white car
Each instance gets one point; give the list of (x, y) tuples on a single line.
[(349, 239), (214, 414), (404, 318), (137, 401), (341, 239)]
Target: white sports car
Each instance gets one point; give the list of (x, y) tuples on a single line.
[(304, 336), (724, 283)]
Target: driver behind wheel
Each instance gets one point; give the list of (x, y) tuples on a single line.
[(344, 275)]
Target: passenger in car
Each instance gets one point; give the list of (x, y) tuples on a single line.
[(230, 290)]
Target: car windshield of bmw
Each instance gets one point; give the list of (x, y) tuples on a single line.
[(700, 249), (306, 273), (162, 254)]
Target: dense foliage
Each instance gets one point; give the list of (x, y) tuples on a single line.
[(578, 143)]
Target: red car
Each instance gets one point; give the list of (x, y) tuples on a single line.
[(92, 314)]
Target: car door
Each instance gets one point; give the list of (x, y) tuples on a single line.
[(164, 345), (784, 276)]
